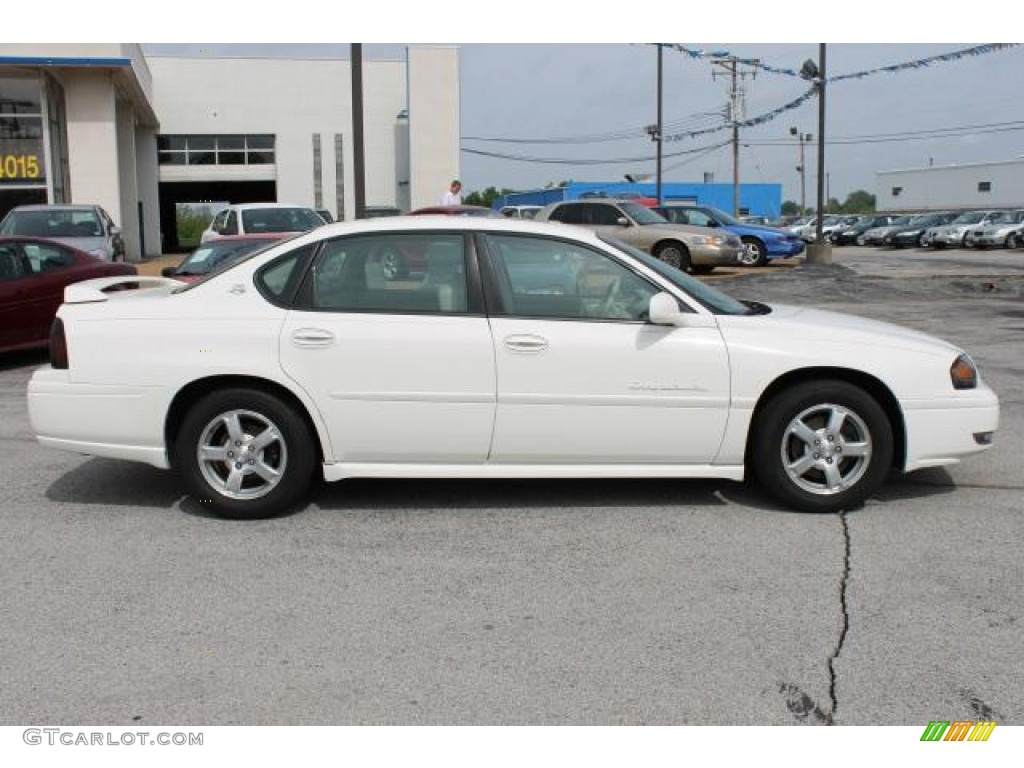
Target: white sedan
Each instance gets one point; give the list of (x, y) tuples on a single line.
[(504, 348)]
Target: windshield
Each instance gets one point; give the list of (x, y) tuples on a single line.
[(279, 220), (724, 217), (969, 218), (715, 301), (641, 214), (53, 223), (1006, 217)]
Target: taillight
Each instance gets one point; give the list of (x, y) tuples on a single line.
[(58, 345)]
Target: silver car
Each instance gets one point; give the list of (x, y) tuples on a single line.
[(700, 249), (1000, 232), (955, 233), (86, 227)]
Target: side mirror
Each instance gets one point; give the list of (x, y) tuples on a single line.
[(712, 223), (664, 310), (622, 221), (168, 271)]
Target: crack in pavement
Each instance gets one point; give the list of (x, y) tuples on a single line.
[(844, 607), (800, 705)]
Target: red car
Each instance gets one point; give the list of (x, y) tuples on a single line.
[(217, 254), (455, 210), (33, 274)]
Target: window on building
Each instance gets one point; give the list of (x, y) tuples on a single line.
[(984, 186), (896, 191), (209, 149)]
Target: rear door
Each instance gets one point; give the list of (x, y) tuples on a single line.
[(401, 365)]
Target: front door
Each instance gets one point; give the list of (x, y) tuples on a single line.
[(582, 377)]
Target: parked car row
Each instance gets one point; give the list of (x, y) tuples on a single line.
[(944, 229)]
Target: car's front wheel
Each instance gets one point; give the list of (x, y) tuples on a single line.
[(821, 446), (674, 254), (754, 253), (245, 453)]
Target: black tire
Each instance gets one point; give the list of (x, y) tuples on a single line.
[(864, 426), (674, 254), (289, 452), (754, 253)]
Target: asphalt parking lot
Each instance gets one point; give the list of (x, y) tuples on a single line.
[(537, 602)]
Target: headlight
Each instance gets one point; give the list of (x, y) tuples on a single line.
[(100, 253), (963, 373)]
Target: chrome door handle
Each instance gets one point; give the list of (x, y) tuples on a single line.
[(312, 337), (526, 343)]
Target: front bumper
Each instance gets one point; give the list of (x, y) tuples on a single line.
[(941, 432), (715, 255), (781, 249)]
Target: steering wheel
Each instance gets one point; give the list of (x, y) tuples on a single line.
[(609, 298)]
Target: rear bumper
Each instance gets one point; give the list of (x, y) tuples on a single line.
[(116, 421)]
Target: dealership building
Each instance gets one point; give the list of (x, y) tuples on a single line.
[(968, 187), (141, 134)]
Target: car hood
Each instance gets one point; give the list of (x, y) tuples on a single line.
[(817, 325), (677, 230), (757, 229), (994, 229), (86, 244)]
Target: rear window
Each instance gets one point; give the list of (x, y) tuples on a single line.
[(258, 220), (55, 223)]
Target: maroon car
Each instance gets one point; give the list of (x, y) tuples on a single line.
[(455, 210), (33, 274)]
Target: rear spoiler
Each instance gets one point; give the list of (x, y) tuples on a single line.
[(95, 290)]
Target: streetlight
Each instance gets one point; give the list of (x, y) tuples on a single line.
[(803, 138)]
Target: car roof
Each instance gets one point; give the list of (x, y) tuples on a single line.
[(254, 206), (55, 207), (443, 223)]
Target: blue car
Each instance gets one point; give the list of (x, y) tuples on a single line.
[(759, 243)]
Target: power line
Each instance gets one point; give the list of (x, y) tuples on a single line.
[(588, 161), (699, 119), (917, 135)]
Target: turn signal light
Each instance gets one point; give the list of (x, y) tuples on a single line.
[(963, 373)]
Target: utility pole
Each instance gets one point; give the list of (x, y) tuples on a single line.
[(802, 138), (358, 164), (818, 238), (731, 67), (660, 132)]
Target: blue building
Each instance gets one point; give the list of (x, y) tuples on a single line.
[(755, 199)]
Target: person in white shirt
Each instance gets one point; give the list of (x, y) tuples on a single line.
[(454, 194)]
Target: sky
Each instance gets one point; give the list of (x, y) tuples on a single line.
[(569, 71)]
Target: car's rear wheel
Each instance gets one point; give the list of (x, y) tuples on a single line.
[(673, 253), (754, 253), (822, 446), (245, 453)]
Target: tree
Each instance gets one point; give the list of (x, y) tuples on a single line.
[(484, 197), (789, 208), (859, 201), (833, 206)]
